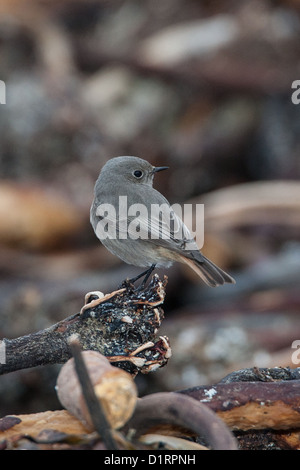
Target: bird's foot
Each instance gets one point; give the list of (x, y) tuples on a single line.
[(129, 283)]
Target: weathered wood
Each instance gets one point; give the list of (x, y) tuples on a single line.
[(113, 388), (180, 411), (270, 400), (121, 325)]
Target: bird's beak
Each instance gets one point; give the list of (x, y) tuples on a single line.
[(159, 168)]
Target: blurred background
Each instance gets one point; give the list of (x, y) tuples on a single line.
[(203, 87)]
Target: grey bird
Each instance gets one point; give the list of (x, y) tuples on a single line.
[(158, 240)]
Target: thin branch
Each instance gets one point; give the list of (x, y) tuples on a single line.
[(96, 411)]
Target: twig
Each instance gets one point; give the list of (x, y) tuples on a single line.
[(93, 404)]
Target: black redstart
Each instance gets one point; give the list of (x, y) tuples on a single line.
[(154, 237)]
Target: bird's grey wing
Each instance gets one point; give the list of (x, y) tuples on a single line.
[(156, 222), (167, 229), (159, 223)]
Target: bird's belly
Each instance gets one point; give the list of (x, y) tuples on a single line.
[(137, 252)]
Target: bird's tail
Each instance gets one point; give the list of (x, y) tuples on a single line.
[(210, 273)]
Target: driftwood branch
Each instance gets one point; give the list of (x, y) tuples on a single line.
[(121, 325), (260, 406), (214, 414), (254, 399), (159, 408)]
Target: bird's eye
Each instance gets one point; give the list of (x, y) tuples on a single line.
[(138, 173)]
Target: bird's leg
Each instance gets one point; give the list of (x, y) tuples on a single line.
[(146, 275)]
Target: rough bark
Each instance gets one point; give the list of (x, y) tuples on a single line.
[(121, 325), (254, 399)]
